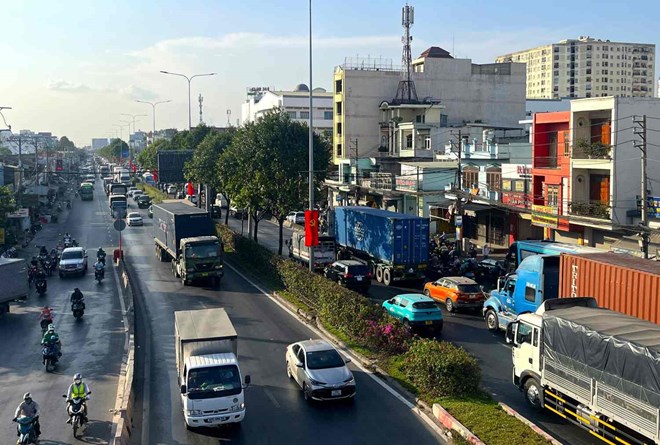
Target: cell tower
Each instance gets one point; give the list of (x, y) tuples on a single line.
[(406, 92), (201, 99)]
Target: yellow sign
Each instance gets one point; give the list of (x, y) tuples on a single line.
[(545, 216)]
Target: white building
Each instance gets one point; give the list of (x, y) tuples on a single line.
[(587, 67), (295, 103), (98, 143)]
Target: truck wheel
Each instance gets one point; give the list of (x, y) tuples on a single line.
[(492, 321), (534, 393), (379, 274), (387, 276)]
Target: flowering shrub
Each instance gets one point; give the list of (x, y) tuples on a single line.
[(387, 335)]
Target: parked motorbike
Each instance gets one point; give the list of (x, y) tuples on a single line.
[(77, 411), (78, 309), (99, 274), (50, 356), (41, 284), (26, 432)]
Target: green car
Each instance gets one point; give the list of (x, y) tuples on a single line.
[(416, 311)]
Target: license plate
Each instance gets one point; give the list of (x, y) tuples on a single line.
[(472, 297), (358, 278), (335, 393), (429, 321)]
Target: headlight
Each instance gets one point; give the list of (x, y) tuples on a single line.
[(238, 407), (316, 382), (190, 269), (218, 266), (349, 380), (194, 412)]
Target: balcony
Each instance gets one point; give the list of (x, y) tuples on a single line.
[(591, 209), (543, 162), (584, 149)]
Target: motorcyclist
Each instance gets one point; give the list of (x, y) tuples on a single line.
[(77, 296), (34, 262), (67, 238), (78, 390), (43, 251), (46, 318), (28, 408), (51, 337), (100, 255), (99, 267)]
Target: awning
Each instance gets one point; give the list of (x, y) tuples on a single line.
[(471, 209)]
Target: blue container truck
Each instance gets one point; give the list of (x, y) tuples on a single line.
[(396, 245)]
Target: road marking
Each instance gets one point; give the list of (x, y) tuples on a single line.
[(272, 398), (383, 384)]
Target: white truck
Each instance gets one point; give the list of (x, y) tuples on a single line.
[(212, 391), (324, 254), (594, 367), (13, 275)]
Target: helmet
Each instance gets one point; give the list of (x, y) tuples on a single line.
[(77, 378), (51, 327), (100, 248), (27, 397)]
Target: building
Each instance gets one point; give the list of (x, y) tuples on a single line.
[(587, 170), (451, 92), (587, 67), (99, 143), (295, 103), (138, 140)]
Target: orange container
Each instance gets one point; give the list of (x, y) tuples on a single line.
[(619, 282)]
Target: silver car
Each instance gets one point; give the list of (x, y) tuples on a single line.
[(319, 370), (73, 261)]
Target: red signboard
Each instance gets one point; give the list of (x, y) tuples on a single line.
[(311, 228)]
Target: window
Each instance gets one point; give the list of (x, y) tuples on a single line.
[(409, 141), (506, 185), (339, 150), (470, 177), (567, 145), (338, 108), (339, 129), (338, 86), (327, 115), (552, 196), (304, 115), (520, 186), (292, 114), (420, 118), (494, 179), (524, 334), (403, 303), (427, 143), (530, 293)]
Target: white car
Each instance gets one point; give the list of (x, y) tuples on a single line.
[(136, 194), (134, 219), (319, 370), (296, 218), (73, 261), (171, 189), (131, 190)]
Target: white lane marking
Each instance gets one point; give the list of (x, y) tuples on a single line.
[(388, 388), (272, 398)]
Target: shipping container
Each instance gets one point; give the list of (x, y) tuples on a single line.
[(171, 164), (176, 220), (13, 288), (620, 282)]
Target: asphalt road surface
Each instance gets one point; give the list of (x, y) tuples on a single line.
[(276, 411), (466, 330), (92, 346)]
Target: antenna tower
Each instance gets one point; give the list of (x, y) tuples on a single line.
[(201, 99), (406, 92)]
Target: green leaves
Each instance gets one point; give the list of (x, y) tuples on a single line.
[(113, 150)]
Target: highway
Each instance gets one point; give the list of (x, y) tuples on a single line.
[(276, 411), (92, 346), (469, 331)]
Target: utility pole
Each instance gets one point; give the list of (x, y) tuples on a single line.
[(640, 130), (459, 198), (311, 135)]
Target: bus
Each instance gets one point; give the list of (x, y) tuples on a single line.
[(86, 191), (520, 250)]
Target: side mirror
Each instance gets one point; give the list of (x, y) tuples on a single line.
[(248, 380), (499, 284), (286, 241), (392, 301), (348, 360), (299, 365), (511, 333), (184, 389)]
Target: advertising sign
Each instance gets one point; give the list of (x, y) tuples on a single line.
[(545, 216)]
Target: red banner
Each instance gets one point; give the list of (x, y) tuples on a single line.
[(190, 188), (311, 228), (134, 168), (155, 173)]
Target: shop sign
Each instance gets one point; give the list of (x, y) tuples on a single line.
[(406, 184), (516, 171), (545, 216)]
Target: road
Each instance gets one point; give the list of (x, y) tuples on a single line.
[(93, 346), (468, 331), (276, 411)]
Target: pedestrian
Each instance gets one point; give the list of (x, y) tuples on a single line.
[(486, 251)]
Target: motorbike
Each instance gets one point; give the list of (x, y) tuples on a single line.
[(68, 204), (101, 257), (68, 243), (99, 274), (10, 253), (59, 207), (50, 356), (77, 411), (32, 274), (41, 284), (78, 308), (26, 432)]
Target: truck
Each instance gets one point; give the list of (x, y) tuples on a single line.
[(395, 245), (206, 345), (116, 188), (118, 205), (324, 254), (617, 281), (86, 191), (185, 235), (597, 368), (13, 273)]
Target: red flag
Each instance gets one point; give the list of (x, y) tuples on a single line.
[(134, 168), (191, 188), (311, 228), (155, 173)]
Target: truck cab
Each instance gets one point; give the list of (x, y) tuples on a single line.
[(201, 257), (535, 280), (325, 253)]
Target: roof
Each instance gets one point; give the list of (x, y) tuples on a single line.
[(379, 212), (625, 261), (73, 249), (179, 207), (435, 52), (316, 345), (202, 361), (449, 165), (203, 324), (460, 280), (351, 262), (415, 297), (612, 324)]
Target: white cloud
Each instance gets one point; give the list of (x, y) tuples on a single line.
[(64, 85), (136, 92)]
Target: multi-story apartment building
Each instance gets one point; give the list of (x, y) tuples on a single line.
[(587, 67)]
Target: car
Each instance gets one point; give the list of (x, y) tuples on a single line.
[(136, 194), (143, 201), (73, 261), (130, 191), (171, 189), (192, 198), (416, 311), (352, 274), (296, 218), (150, 211), (319, 370), (456, 293), (134, 219), (238, 213)]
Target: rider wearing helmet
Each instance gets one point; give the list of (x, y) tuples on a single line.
[(78, 390), (29, 408), (51, 337), (77, 296)]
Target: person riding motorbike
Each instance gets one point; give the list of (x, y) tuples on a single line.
[(34, 262), (43, 252), (40, 278), (77, 296), (99, 267), (45, 318), (100, 255), (51, 338), (29, 408), (78, 390)]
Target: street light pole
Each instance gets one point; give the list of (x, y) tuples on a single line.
[(189, 79), (311, 137), (133, 116), (153, 110)]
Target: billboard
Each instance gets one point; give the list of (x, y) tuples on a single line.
[(171, 164)]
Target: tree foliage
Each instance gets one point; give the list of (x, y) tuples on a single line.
[(114, 149), (7, 204), (202, 167), (66, 144), (4, 151)]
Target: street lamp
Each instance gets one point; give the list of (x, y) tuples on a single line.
[(153, 107), (311, 136), (188, 79)]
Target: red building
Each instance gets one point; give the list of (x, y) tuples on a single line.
[(551, 155)]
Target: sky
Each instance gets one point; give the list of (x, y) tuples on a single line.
[(72, 67)]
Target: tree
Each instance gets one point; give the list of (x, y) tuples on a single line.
[(114, 149), (65, 144), (4, 151), (7, 205)]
